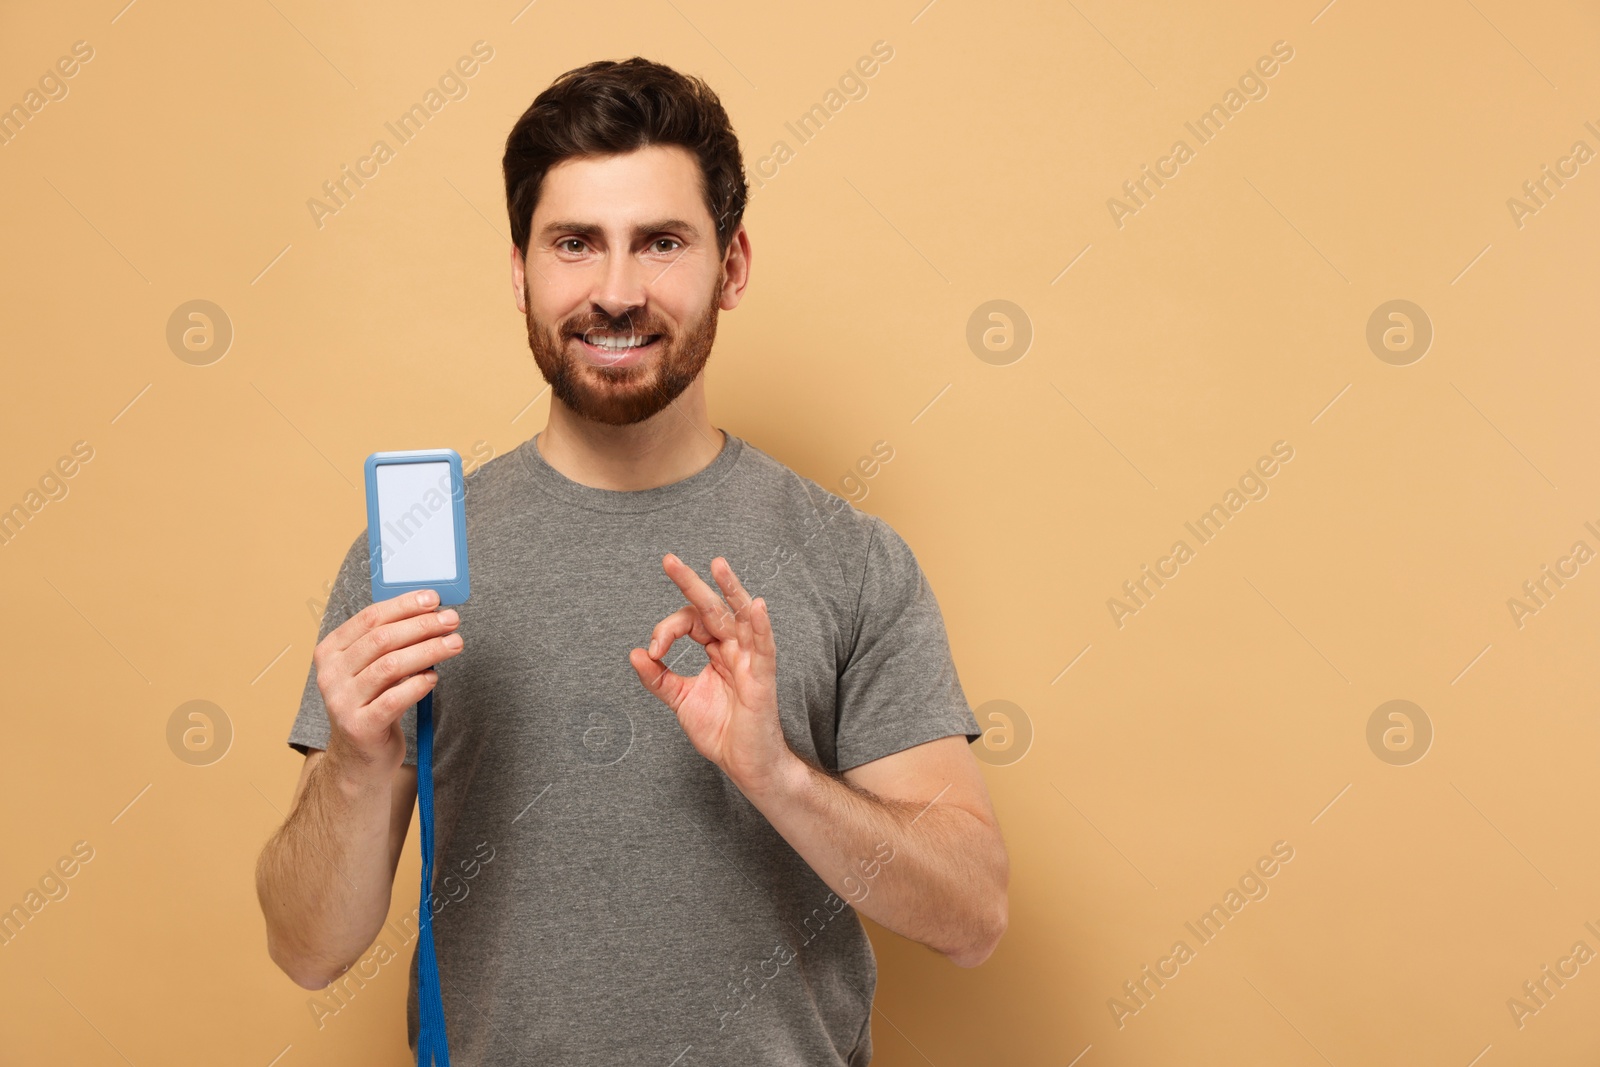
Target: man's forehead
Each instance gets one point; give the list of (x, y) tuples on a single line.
[(624, 190)]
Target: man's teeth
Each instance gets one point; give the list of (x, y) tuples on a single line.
[(617, 344)]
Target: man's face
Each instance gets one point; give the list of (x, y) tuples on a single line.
[(623, 282)]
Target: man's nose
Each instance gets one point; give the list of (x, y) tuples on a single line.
[(621, 288)]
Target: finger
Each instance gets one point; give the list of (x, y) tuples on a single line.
[(738, 597), (717, 617), (402, 662), (390, 704), (766, 649), (759, 663), (660, 680), (381, 613), (685, 621), (396, 635)]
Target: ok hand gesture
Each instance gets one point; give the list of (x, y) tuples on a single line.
[(730, 709)]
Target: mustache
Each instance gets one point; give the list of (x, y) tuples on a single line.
[(624, 326)]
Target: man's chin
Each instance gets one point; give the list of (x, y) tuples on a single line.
[(616, 396)]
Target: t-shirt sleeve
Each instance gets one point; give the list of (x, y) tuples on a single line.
[(899, 687), (352, 591)]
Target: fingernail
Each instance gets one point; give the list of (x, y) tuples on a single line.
[(652, 648), (427, 598), (452, 641), (448, 617)]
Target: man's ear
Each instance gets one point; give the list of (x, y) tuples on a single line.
[(519, 279), (736, 269)]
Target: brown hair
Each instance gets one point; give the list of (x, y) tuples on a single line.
[(609, 107)]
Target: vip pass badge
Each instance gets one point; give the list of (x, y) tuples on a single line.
[(416, 540)]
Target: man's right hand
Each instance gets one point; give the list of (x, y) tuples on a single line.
[(373, 667)]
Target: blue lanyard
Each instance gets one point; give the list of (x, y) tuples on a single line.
[(432, 1048)]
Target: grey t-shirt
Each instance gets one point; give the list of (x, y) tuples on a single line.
[(603, 893)]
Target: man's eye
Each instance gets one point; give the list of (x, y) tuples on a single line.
[(570, 241), (668, 240)]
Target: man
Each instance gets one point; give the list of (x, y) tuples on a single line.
[(643, 855)]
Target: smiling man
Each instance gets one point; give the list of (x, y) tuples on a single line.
[(662, 801)]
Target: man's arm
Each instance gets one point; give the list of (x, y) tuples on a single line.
[(925, 806), (910, 840), (325, 878)]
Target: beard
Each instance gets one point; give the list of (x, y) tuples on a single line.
[(620, 396)]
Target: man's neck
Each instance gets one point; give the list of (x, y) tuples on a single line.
[(671, 445)]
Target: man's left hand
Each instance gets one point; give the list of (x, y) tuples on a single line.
[(730, 709)]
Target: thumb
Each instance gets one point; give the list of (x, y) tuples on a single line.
[(658, 678)]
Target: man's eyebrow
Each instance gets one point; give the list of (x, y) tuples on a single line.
[(645, 229)]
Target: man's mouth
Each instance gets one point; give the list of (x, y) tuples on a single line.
[(614, 350)]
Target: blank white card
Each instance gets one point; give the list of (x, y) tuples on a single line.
[(416, 522)]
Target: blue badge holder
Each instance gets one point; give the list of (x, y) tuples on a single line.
[(414, 543)]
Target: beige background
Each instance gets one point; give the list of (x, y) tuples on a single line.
[(1229, 313)]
